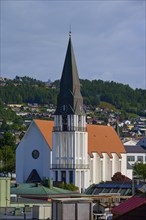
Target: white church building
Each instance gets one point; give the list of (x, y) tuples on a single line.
[(67, 149)]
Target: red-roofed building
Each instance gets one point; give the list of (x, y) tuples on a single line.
[(132, 209), (68, 149), (104, 147)]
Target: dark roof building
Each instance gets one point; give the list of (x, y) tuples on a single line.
[(132, 209), (124, 188), (135, 149)]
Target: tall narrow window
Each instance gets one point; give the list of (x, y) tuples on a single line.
[(64, 122), (56, 175), (71, 176), (79, 123), (63, 176)]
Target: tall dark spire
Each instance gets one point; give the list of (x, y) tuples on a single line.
[(70, 100)]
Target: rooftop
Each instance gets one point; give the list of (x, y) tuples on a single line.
[(129, 205), (37, 190), (101, 139), (135, 149), (124, 188), (104, 139)]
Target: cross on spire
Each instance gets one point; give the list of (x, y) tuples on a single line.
[(70, 31)]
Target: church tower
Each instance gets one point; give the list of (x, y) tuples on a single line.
[(70, 147)]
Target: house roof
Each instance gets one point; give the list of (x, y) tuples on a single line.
[(46, 128), (104, 139), (118, 184), (129, 205), (101, 139), (130, 142), (143, 188), (124, 188), (135, 149), (35, 189)]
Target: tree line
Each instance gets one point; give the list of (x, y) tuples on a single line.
[(123, 97), (7, 153)]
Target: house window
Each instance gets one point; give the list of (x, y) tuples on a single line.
[(140, 158), (130, 158)]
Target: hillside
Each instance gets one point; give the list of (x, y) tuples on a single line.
[(28, 90), (121, 96)]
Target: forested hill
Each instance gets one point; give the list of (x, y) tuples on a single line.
[(28, 90), (121, 96)]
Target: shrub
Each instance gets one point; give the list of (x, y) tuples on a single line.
[(68, 186)]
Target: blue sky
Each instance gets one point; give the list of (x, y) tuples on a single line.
[(108, 39)]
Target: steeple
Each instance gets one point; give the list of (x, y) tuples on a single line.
[(70, 101)]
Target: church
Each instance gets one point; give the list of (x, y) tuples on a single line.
[(67, 149)]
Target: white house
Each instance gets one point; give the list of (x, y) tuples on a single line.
[(135, 153)]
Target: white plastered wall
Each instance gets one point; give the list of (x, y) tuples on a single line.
[(25, 163), (103, 168)]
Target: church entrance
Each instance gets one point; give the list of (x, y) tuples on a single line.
[(33, 177)]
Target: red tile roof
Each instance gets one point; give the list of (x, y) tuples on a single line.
[(101, 139), (129, 205), (104, 139), (46, 128)]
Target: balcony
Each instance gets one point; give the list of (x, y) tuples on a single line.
[(70, 166), (70, 128)]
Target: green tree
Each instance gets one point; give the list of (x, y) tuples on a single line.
[(28, 90), (7, 160), (140, 170), (119, 177), (7, 153), (8, 140), (5, 126)]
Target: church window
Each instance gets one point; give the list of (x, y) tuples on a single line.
[(35, 154), (79, 121), (63, 176), (64, 122), (56, 175), (71, 176)]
